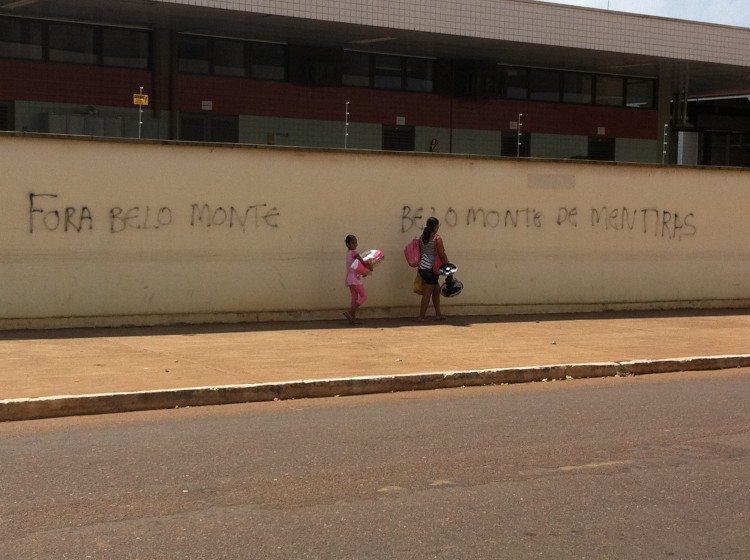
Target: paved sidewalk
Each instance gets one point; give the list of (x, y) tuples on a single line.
[(87, 361)]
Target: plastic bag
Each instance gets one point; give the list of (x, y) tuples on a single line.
[(418, 285)]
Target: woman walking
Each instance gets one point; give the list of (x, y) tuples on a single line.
[(433, 256)]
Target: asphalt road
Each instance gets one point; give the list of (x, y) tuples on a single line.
[(632, 468)]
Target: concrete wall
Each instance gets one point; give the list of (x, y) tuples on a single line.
[(164, 232)]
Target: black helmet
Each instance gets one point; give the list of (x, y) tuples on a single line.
[(452, 289)]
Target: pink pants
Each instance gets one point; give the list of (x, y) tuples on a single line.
[(359, 295)]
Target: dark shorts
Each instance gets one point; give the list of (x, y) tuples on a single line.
[(428, 276)]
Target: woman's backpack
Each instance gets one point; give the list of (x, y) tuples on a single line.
[(413, 253)]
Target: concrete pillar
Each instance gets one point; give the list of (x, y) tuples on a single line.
[(665, 94), (164, 94)]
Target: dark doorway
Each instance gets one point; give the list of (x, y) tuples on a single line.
[(601, 149), (208, 128), (6, 116), (514, 145), (398, 138)]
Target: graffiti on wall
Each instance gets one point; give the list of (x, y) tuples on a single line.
[(669, 224), (47, 213)]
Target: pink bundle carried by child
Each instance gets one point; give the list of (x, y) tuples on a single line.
[(373, 257)]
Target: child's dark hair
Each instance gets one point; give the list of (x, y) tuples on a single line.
[(349, 239), (432, 224)]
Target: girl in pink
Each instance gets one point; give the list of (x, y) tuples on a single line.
[(354, 280)]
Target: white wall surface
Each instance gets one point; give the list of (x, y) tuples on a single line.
[(521, 232)]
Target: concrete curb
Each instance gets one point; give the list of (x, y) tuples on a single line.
[(105, 403)]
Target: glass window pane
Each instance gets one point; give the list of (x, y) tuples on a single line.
[(20, 39), (72, 43), (418, 74), (514, 83), (193, 55), (124, 47), (544, 85), (609, 91), (577, 88), (487, 82), (640, 93), (388, 72), (229, 58), (268, 62), (356, 69)]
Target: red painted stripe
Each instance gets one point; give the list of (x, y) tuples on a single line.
[(71, 83), (233, 96)]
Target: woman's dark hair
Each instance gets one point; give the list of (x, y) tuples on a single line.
[(432, 224), (349, 239)]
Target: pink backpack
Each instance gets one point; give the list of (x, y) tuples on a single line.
[(413, 253)]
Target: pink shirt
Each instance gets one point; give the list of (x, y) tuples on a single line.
[(352, 278)]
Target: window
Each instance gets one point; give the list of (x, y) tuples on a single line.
[(602, 149), (577, 88), (514, 82), (356, 69), (639, 92), (418, 74), (511, 83), (324, 68), (314, 66), (208, 128), (514, 145), (726, 148), (544, 85), (72, 43), (388, 72), (20, 38), (229, 58), (609, 91), (398, 138), (125, 47), (539, 84), (486, 82), (268, 61), (739, 149), (225, 57), (194, 55)]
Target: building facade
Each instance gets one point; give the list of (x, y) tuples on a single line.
[(504, 78)]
